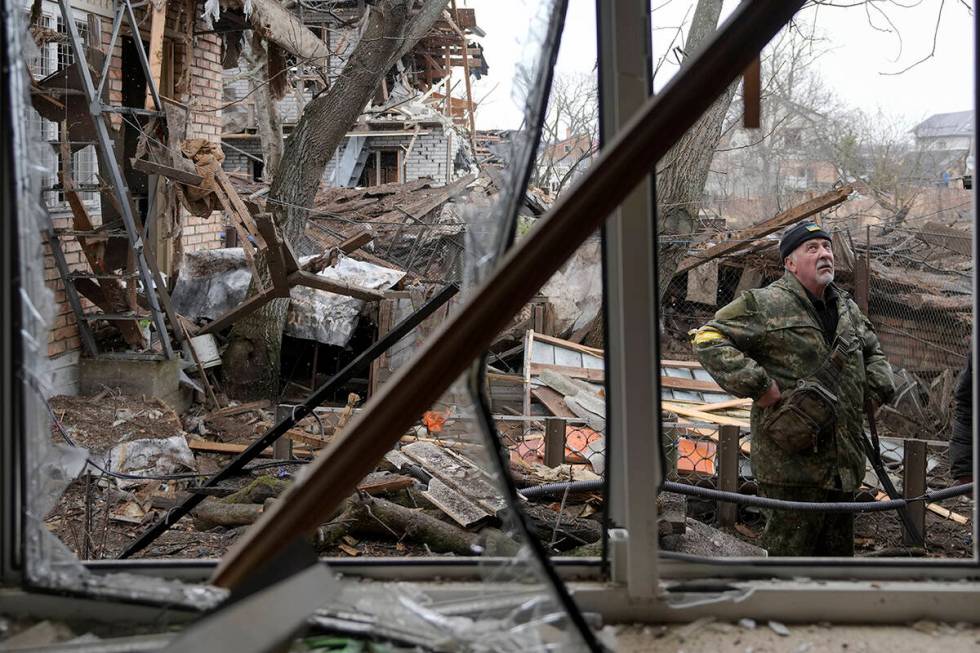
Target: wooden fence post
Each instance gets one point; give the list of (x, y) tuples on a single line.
[(914, 485), (554, 442), (727, 463), (282, 449)]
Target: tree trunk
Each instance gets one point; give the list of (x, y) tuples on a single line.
[(682, 173), (252, 360), (266, 109), (380, 518)]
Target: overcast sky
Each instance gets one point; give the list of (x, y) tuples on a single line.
[(860, 53)]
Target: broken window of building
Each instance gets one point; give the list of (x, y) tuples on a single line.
[(359, 205)]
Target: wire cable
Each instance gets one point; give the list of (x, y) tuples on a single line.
[(761, 502)]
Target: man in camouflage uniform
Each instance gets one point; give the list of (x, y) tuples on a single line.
[(771, 342)]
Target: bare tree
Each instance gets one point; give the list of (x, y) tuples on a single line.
[(683, 171), (391, 28), (570, 133)]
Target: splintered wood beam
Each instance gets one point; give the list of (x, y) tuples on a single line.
[(745, 238), (356, 242), (249, 306), (158, 21), (175, 174), (490, 307), (310, 280), (702, 416), (273, 22)]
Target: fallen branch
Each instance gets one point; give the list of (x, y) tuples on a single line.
[(213, 512), (378, 517)]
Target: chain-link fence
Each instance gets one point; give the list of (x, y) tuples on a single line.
[(912, 280), (554, 441), (920, 301)]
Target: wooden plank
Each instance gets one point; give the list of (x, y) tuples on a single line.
[(158, 22), (744, 238), (689, 384), (231, 449), (387, 483), (200, 367), (239, 206), (743, 402), (687, 365), (727, 466), (553, 401), (310, 280), (249, 306), (299, 435), (176, 174), (597, 376), (946, 513), (702, 416), (568, 344), (262, 404), (356, 242), (554, 442), (914, 485)]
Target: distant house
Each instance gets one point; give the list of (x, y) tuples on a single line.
[(563, 161), (945, 131), (944, 144)]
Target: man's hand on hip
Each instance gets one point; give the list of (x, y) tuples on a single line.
[(771, 396)]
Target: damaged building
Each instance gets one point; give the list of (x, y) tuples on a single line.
[(413, 128)]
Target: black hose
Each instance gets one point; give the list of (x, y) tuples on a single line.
[(762, 502)]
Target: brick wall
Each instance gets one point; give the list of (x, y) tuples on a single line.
[(63, 338), (197, 74), (235, 158), (201, 73)]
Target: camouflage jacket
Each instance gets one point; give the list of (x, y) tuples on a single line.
[(774, 334)]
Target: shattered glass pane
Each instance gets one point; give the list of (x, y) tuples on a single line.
[(199, 238)]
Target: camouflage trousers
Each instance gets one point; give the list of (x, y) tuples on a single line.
[(793, 533)]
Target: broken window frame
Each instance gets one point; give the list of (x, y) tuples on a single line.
[(632, 562)]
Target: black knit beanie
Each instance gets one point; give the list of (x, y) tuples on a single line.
[(799, 234)]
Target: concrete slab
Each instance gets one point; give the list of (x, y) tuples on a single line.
[(158, 379)]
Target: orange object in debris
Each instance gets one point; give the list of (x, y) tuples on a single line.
[(695, 456), (434, 421), (577, 440)]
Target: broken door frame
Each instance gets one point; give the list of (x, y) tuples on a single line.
[(892, 593)]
